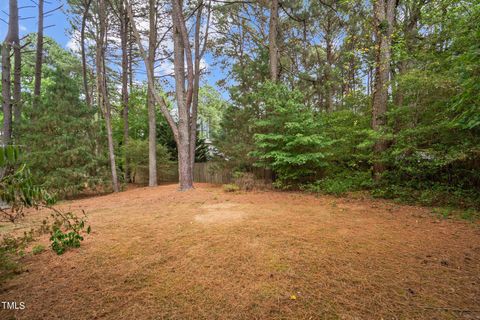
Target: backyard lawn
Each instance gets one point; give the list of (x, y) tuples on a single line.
[(156, 253)]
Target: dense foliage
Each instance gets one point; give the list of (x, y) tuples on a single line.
[(432, 130), (312, 125), (135, 151), (61, 128), (288, 138)]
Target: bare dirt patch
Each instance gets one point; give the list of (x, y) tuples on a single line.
[(156, 253), (220, 213)]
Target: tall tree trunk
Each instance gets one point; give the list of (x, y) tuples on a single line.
[(17, 65), (199, 52), (412, 15), (181, 131), (124, 32), (328, 71), (272, 38), (102, 90), (152, 125), (196, 85), (39, 55), (6, 91), (88, 98), (183, 146), (384, 15), (11, 41)]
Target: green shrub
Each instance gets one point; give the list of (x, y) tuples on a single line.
[(38, 249), (231, 187), (470, 215), (288, 137), (341, 183), (428, 194)]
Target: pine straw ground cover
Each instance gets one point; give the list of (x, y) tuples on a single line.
[(156, 253)]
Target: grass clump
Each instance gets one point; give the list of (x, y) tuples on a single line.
[(231, 187), (39, 248)]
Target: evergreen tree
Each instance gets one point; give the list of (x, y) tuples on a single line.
[(60, 136)]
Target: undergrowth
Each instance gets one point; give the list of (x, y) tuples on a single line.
[(465, 203)]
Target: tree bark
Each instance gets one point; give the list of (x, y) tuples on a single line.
[(17, 65), (183, 146), (272, 37), (181, 131), (150, 76), (102, 90), (329, 67), (39, 55), (88, 98), (152, 125), (412, 15), (384, 15), (11, 41), (6, 91), (125, 72), (199, 52)]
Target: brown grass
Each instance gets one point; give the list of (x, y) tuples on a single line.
[(156, 253)]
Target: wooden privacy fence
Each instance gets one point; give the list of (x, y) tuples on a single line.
[(211, 172), (206, 172)]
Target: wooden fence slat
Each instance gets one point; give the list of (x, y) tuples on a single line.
[(205, 172)]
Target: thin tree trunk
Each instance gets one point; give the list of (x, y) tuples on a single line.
[(125, 72), (102, 90), (196, 85), (384, 14), (272, 37), (328, 72), (150, 76), (152, 126), (88, 98), (39, 55), (181, 130), (398, 95), (17, 65), (410, 31), (6, 91), (11, 41), (199, 52)]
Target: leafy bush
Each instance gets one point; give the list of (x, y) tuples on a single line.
[(342, 183), (288, 136), (431, 195), (17, 189)]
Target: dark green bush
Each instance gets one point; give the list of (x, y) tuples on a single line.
[(341, 183)]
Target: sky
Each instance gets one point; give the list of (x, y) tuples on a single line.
[(27, 24), (59, 31)]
